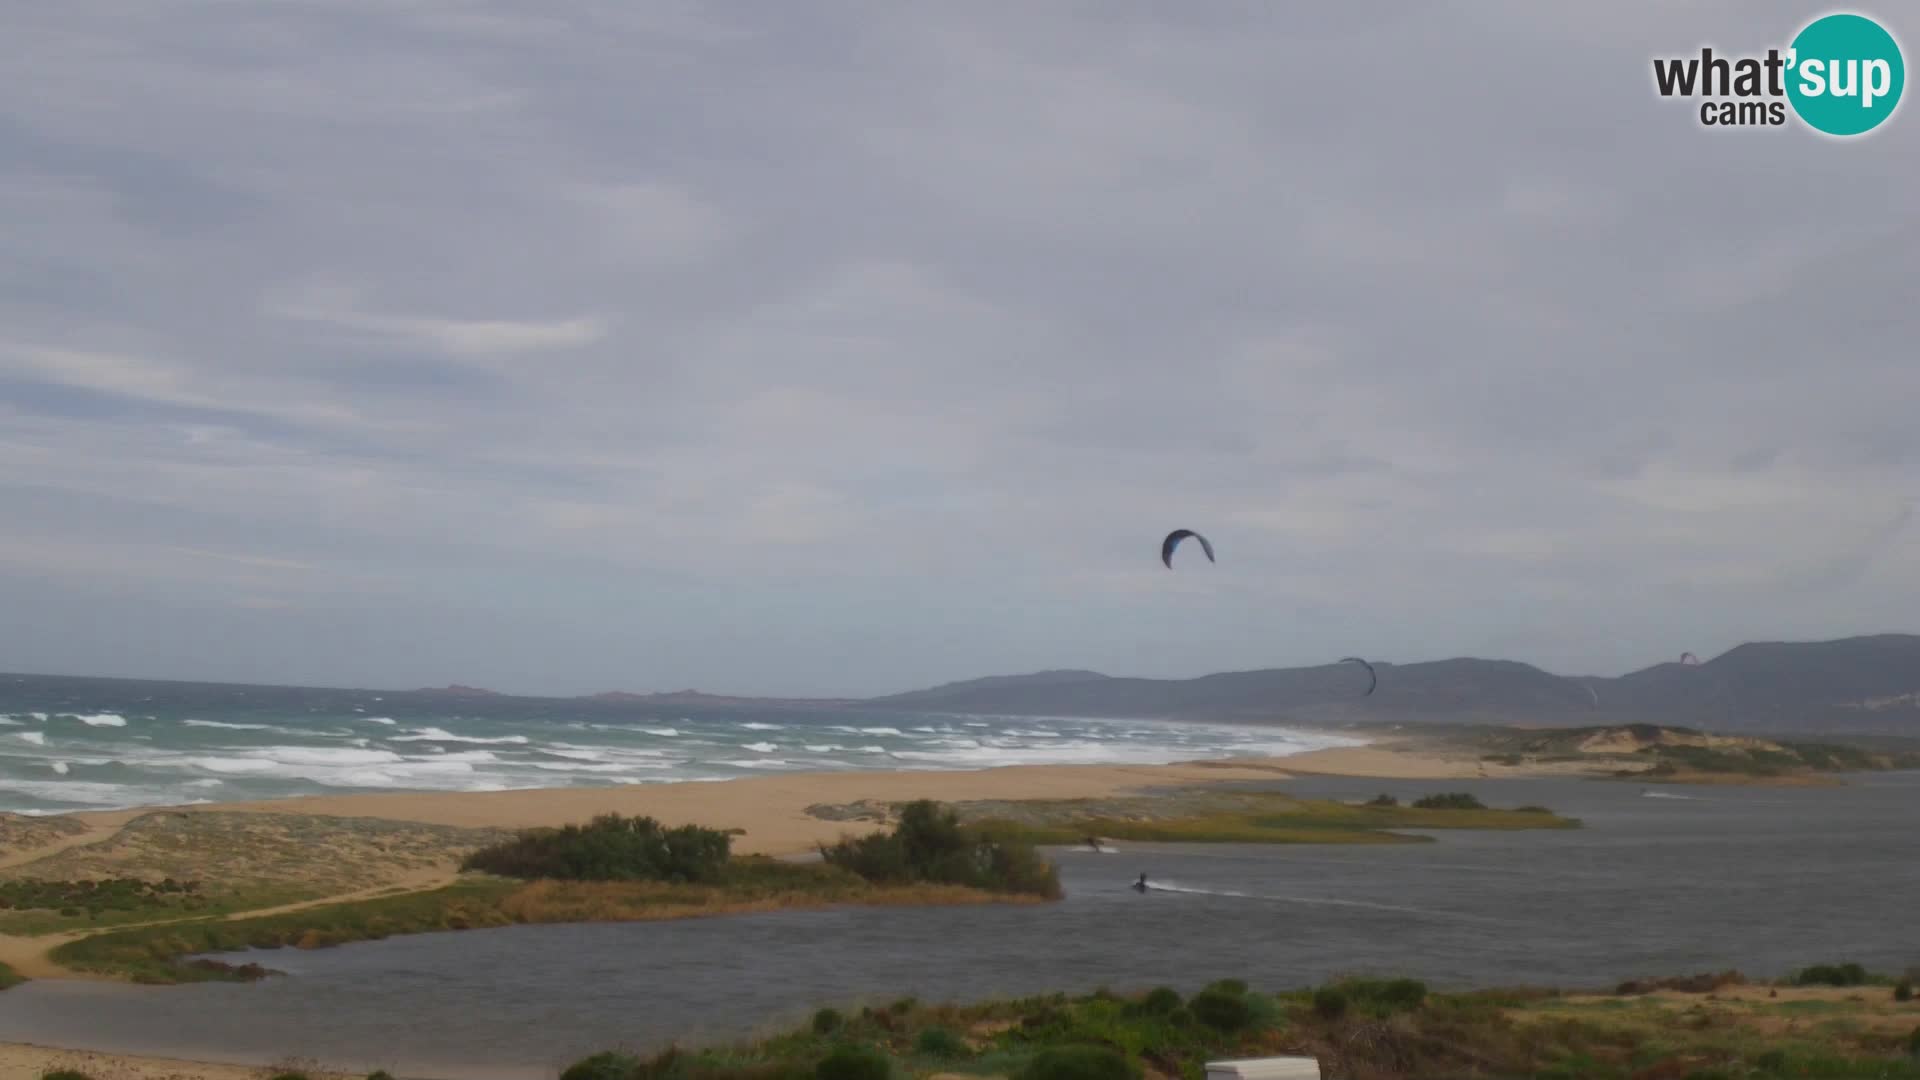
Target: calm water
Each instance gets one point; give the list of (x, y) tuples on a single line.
[(1762, 880)]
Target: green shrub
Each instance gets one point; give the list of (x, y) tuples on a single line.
[(1330, 1002), (1236, 987), (289, 1076), (929, 844), (379, 1074), (1078, 1063), (1383, 799), (1160, 1001), (609, 848), (606, 1065), (1773, 1061), (1452, 800), (1383, 997), (64, 1074), (1221, 1010), (828, 1021), (1913, 1043), (903, 1006), (1903, 990), (940, 1043), (853, 1063), (1831, 975)]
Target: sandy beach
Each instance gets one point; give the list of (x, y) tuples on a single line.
[(772, 810)]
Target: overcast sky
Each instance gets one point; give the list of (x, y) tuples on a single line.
[(840, 348)]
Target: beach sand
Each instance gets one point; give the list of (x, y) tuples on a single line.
[(19, 1061)]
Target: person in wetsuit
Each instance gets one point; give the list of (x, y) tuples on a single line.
[(1141, 885)]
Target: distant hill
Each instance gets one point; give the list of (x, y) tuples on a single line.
[(1857, 685)]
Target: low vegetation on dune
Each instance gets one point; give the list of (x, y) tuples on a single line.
[(9, 978), (1357, 1028), (1211, 815), (610, 869), (1655, 752)]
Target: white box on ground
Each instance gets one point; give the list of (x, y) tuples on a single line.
[(1273, 1068)]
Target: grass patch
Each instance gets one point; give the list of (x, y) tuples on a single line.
[(1377, 1029), (10, 978)]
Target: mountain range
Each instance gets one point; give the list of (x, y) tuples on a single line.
[(1860, 685), (1868, 685)]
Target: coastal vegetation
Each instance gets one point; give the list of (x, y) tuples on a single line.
[(610, 869), (1211, 815), (1660, 753), (1357, 1028)]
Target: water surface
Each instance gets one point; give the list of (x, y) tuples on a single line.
[(1765, 880)]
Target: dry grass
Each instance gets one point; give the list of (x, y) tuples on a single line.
[(20, 833), (239, 851)]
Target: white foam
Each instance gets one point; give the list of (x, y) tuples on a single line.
[(759, 763), (880, 731), (820, 748), (760, 747), (223, 725), (871, 749), (62, 768), (105, 719), (8, 721), (37, 738), (434, 734), (663, 732), (40, 716), (754, 725), (387, 720)]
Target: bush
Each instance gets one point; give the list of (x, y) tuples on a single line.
[(1383, 799), (379, 1074), (1903, 990), (1452, 800), (931, 845), (64, 1074), (1384, 997), (289, 1076), (1160, 1001), (1773, 1061), (1330, 1002), (903, 1006), (1221, 1010), (828, 1021), (1078, 1063), (1913, 1043), (940, 1043), (609, 848), (852, 1063), (1236, 987), (1831, 975), (606, 1065)]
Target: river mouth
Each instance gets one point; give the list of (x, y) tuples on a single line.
[(1765, 880)]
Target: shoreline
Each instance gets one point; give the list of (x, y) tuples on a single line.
[(772, 811)]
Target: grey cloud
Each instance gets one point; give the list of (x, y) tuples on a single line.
[(847, 348)]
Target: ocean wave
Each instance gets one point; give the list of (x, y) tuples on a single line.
[(663, 732), (435, 734), (105, 719), (755, 725), (37, 738), (8, 721), (881, 731), (224, 726), (760, 747), (387, 720), (820, 748), (62, 768)]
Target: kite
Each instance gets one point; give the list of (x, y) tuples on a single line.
[(1373, 679), (1173, 540)]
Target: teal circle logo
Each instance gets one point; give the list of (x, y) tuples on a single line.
[(1846, 74)]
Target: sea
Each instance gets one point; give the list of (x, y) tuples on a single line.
[(71, 744)]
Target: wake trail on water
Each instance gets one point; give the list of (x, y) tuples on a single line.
[(1173, 887)]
